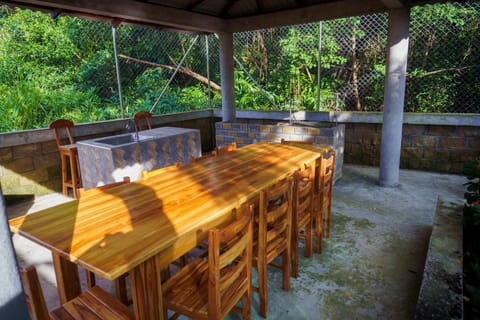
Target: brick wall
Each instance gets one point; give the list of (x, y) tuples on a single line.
[(30, 168), (34, 168), (247, 132), (438, 148)]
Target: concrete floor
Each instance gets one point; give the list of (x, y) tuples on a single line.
[(371, 266)]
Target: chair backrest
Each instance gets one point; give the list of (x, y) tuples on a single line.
[(327, 171), (148, 174), (303, 192), (94, 303), (275, 212), (230, 264), (220, 150), (143, 117), (283, 141), (33, 292), (62, 125), (205, 156), (98, 190)]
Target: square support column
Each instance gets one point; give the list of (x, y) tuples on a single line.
[(226, 71), (394, 96)]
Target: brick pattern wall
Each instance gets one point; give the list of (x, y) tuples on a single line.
[(244, 133), (424, 147), (35, 168), (30, 169)]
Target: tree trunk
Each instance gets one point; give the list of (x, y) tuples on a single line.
[(183, 70)]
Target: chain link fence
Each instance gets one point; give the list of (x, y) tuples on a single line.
[(275, 69), (278, 68)]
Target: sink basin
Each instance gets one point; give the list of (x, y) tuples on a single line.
[(122, 139), (105, 160)]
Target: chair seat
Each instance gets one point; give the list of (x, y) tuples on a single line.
[(68, 147), (188, 293), (94, 303)]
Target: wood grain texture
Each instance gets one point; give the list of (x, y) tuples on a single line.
[(165, 215)]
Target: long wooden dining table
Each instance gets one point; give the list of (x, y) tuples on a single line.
[(141, 227)]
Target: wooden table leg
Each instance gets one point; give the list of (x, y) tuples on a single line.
[(68, 281), (147, 290)]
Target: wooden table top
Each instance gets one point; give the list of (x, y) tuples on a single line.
[(165, 215)]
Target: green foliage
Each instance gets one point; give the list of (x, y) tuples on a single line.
[(443, 57), (65, 67)]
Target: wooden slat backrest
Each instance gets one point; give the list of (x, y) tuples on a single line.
[(327, 171), (143, 117), (230, 264), (283, 141), (58, 126), (274, 217), (148, 174), (101, 189), (203, 157), (303, 195), (220, 150), (302, 214), (35, 299)]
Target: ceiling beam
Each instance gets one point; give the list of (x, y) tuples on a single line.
[(137, 11), (259, 5), (307, 14), (394, 4), (193, 4), (226, 8)]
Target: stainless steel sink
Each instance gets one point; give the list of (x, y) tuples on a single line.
[(121, 139)]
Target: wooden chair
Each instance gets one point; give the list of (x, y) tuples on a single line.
[(323, 199), (71, 176), (202, 157), (121, 282), (94, 303), (302, 214), (272, 237), (283, 141), (142, 118), (154, 172), (100, 189), (220, 150), (210, 289)]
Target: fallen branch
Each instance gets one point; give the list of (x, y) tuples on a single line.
[(432, 73), (183, 70)]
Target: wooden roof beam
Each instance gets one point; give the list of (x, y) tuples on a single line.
[(394, 4), (307, 14), (140, 12)]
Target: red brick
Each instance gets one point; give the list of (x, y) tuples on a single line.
[(413, 129), (452, 142), (441, 130), (25, 150), (6, 154), (468, 131), (424, 141), (20, 165)]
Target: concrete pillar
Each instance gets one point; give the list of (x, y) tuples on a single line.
[(394, 96), (12, 298), (226, 71)]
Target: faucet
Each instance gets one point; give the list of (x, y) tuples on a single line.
[(132, 123)]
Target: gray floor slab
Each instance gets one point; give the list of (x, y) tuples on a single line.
[(371, 266)]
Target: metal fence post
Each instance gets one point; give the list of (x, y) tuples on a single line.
[(117, 69)]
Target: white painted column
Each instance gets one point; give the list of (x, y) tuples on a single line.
[(394, 96), (226, 71)]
